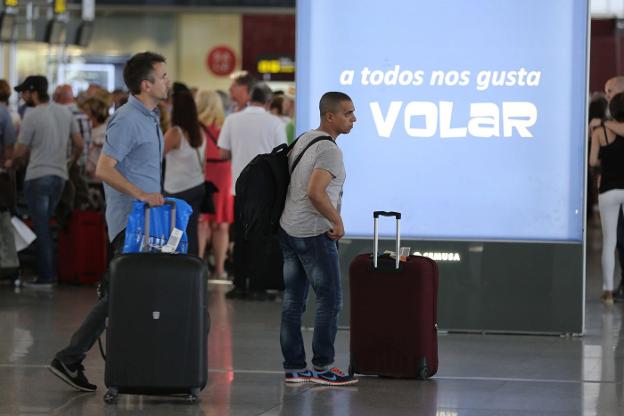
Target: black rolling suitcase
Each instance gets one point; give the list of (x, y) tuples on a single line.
[(158, 325)]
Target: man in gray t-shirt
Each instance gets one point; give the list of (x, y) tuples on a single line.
[(43, 135), (300, 217), (311, 226)]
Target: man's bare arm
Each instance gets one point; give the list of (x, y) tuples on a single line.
[(8, 151), (317, 192), (17, 153), (595, 147), (107, 172)]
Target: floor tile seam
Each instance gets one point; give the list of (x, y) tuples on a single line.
[(243, 371), (527, 380), (101, 368)]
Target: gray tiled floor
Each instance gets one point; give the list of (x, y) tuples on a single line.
[(480, 375)]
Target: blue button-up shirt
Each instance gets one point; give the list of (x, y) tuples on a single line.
[(135, 141)]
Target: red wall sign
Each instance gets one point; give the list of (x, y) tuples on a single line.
[(221, 60)]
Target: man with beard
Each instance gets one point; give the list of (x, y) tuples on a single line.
[(44, 134)]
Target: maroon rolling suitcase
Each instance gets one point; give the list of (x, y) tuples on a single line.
[(83, 248), (393, 313)]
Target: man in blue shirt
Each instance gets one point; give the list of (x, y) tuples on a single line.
[(130, 168)]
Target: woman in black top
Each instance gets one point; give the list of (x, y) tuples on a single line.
[(607, 151)]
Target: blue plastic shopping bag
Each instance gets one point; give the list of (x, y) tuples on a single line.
[(159, 226)]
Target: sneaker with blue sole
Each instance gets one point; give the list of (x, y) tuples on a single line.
[(333, 377), (298, 376)]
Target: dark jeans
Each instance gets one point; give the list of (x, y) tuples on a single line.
[(310, 261), (193, 197), (94, 324), (42, 196), (620, 243)]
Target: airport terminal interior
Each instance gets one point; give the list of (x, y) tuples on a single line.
[(534, 332), (479, 375)]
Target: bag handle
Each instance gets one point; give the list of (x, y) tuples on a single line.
[(172, 204), (376, 216)]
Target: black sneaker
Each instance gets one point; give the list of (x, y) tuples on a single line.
[(298, 376), (75, 378), (332, 377)]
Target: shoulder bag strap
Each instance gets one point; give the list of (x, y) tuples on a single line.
[(209, 133), (316, 140)]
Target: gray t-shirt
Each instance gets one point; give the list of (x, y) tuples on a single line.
[(45, 130), (300, 218)]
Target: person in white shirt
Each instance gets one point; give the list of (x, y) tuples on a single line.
[(240, 91), (245, 135)]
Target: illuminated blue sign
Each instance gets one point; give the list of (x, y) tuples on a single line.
[(471, 115)]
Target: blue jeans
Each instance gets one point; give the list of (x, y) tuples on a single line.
[(42, 196), (310, 261)]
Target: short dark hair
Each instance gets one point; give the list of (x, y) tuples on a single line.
[(44, 97), (616, 107), (331, 100), (261, 93), (140, 67), (247, 80)]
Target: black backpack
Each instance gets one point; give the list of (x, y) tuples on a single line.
[(261, 190)]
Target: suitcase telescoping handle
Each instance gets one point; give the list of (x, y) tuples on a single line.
[(376, 215), (172, 204)]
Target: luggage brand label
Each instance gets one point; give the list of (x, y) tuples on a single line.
[(438, 256)]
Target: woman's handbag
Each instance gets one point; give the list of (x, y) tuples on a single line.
[(207, 205)]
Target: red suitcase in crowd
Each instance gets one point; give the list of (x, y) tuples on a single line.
[(393, 313), (82, 248)]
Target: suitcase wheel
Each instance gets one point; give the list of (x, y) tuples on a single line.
[(193, 396), (111, 396), (423, 368)]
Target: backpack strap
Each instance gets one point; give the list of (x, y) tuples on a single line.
[(314, 141)]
